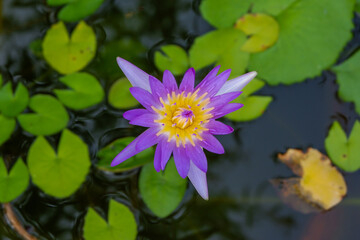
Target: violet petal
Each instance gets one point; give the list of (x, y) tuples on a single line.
[(169, 81), (218, 128), (228, 108), (182, 161), (211, 144), (136, 76), (131, 114), (188, 81), (237, 84), (145, 120), (198, 179), (144, 97)]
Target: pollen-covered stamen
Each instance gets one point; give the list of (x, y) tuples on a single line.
[(183, 118)]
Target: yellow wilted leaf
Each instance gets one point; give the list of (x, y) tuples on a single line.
[(262, 29), (319, 184)]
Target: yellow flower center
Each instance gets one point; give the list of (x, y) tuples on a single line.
[(183, 116)]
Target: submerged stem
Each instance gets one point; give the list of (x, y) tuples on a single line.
[(15, 223)]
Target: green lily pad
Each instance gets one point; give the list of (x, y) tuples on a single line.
[(254, 106), (344, 152), (348, 78), (49, 116), (306, 44), (7, 126), (14, 183), (262, 30), (59, 173), (174, 58), (107, 154), (223, 14), (220, 47), (11, 104), (67, 55), (162, 192), (121, 224), (86, 91), (75, 10), (120, 96)]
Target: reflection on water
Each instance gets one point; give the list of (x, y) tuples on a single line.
[(242, 204)]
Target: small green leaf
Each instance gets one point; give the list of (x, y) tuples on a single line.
[(108, 153), (58, 2), (49, 118), (13, 184), (343, 152), (59, 174), (7, 126), (254, 106), (262, 30), (174, 59), (86, 91), (162, 191), (121, 224), (11, 104), (348, 78), (220, 47), (120, 96), (67, 55), (223, 14), (79, 9)]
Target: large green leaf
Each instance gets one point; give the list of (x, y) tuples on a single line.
[(348, 78), (306, 44), (162, 192), (254, 106), (107, 154), (174, 58), (59, 173), (14, 183), (223, 14), (67, 55), (11, 104), (78, 9), (49, 116), (120, 96), (220, 47), (86, 91), (121, 224), (343, 152), (7, 126)]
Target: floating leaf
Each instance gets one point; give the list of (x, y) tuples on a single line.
[(86, 91), (7, 126), (162, 192), (174, 58), (120, 96), (348, 78), (306, 44), (13, 184), (262, 30), (121, 224), (321, 186), (59, 173), (220, 47), (11, 104), (78, 9), (49, 118), (343, 152), (254, 106), (107, 154), (67, 55), (223, 14)]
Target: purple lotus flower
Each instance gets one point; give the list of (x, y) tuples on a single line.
[(181, 120)]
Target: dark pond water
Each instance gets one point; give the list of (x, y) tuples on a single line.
[(243, 204)]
